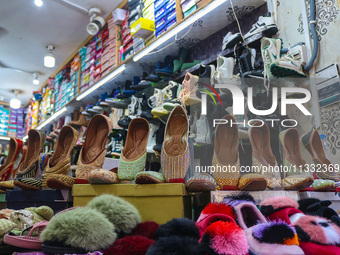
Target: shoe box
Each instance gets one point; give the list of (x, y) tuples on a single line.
[(4, 120), (165, 15), (159, 203), (118, 16), (149, 12), (188, 7)]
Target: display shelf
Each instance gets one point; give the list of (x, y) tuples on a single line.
[(198, 25)]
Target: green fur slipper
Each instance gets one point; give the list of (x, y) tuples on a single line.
[(81, 228), (123, 215)]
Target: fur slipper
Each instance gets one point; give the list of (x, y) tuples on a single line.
[(177, 227), (123, 215), (80, 228), (223, 238), (130, 245), (215, 212), (317, 235), (260, 232), (146, 229), (175, 245)]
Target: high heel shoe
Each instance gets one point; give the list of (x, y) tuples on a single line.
[(15, 146), (133, 157), (175, 156), (60, 162), (93, 153)]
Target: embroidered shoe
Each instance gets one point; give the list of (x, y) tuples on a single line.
[(93, 153), (175, 156), (133, 156), (15, 146)]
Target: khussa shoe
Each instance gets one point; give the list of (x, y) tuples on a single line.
[(15, 146), (35, 182), (297, 178), (175, 157), (313, 144), (149, 177), (103, 176), (226, 160), (133, 156), (263, 158), (92, 154), (201, 182), (30, 166), (60, 162), (4, 185)]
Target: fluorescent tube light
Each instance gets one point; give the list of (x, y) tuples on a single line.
[(53, 116), (102, 82), (4, 138), (179, 28)]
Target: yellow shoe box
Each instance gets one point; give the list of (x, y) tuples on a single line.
[(142, 28), (155, 202)]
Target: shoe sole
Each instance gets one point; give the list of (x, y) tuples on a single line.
[(25, 186), (282, 72), (55, 184), (147, 180), (198, 186), (266, 31), (255, 185), (301, 186)]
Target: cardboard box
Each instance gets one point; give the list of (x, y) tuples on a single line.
[(155, 202), (142, 28), (118, 16)]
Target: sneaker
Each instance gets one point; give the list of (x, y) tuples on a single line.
[(207, 75), (203, 135), (173, 93), (128, 91), (271, 53), (152, 138), (113, 97), (124, 123), (188, 93), (132, 107), (155, 77), (87, 107), (121, 103), (159, 138), (224, 70), (146, 110), (246, 59), (265, 24), (290, 64), (230, 40), (156, 100), (159, 111), (117, 145), (167, 70)]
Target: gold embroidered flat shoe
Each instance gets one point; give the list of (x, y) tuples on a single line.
[(92, 155), (175, 155)]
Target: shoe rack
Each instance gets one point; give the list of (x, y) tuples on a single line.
[(207, 20)]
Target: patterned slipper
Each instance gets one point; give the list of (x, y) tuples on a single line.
[(60, 181), (149, 177), (28, 183), (201, 182), (102, 176)]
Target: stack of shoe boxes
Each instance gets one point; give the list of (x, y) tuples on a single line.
[(188, 7), (45, 105), (16, 123), (75, 66), (126, 49), (90, 63), (82, 59), (4, 120), (62, 87), (97, 71), (33, 123), (109, 45), (165, 15)]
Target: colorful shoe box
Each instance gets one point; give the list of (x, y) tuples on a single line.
[(142, 28), (190, 11), (147, 3), (149, 12), (187, 5), (159, 4)]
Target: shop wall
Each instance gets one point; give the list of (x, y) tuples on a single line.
[(292, 30)]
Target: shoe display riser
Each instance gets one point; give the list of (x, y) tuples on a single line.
[(56, 199), (159, 203)]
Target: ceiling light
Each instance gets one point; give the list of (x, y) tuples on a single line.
[(96, 22), (38, 3), (36, 77), (15, 103), (102, 82), (178, 29), (49, 59)]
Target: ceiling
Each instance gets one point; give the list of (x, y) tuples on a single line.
[(26, 30)]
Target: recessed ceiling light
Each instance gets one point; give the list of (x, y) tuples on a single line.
[(38, 3)]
